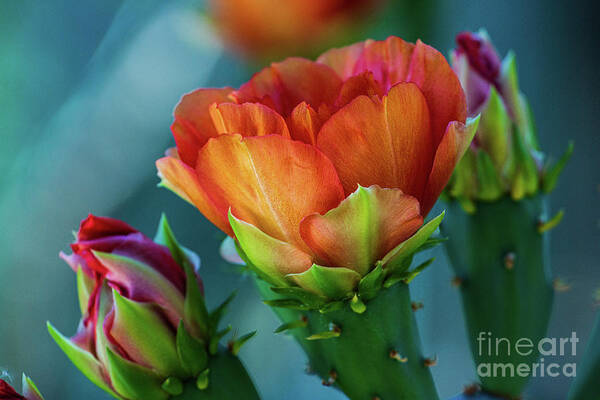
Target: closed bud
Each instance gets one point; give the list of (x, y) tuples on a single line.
[(504, 157), (144, 326)]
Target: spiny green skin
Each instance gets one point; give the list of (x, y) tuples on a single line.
[(228, 380), (512, 302), (360, 356), (585, 386)]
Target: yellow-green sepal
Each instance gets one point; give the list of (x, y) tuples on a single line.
[(83, 360), (132, 381)]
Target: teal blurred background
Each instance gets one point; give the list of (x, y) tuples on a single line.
[(86, 94)]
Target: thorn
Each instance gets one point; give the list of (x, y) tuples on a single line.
[(304, 319), (430, 362), (545, 226), (457, 281), (509, 261), (334, 328), (396, 356), (375, 398), (560, 285), (416, 305), (471, 390), (332, 378)]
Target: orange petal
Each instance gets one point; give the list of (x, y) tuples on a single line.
[(268, 181), (362, 229), (362, 84), (342, 60), (441, 87), (381, 142), (388, 60), (248, 119), (305, 123), (181, 179), (455, 142), (193, 126), (284, 85)]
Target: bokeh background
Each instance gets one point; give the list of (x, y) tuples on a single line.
[(86, 94)]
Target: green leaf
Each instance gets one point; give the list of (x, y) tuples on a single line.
[(490, 187), (394, 279), (213, 346), (324, 335), (431, 243), (493, 131), (393, 261), (287, 303), (165, 236), (237, 344), (217, 314), (84, 361), (523, 169), (332, 283), (464, 178), (133, 322), (552, 223), (370, 284), (269, 255), (551, 176), (194, 308), (332, 306), (134, 381), (191, 352), (310, 299), (301, 323), (30, 391), (420, 268)]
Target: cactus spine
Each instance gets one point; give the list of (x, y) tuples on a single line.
[(375, 354), (500, 255)]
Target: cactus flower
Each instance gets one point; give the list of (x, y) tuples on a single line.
[(30, 391), (320, 170), (505, 156), (145, 330), (262, 29)]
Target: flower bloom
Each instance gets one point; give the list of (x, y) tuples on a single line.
[(332, 163), (505, 156), (134, 295), (30, 392), (267, 28)]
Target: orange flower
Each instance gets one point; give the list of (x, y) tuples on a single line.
[(262, 29), (332, 162)]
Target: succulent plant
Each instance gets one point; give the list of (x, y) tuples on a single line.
[(498, 223), (145, 332)]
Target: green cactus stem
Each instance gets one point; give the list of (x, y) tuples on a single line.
[(226, 379), (585, 385), (501, 259), (372, 354)]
